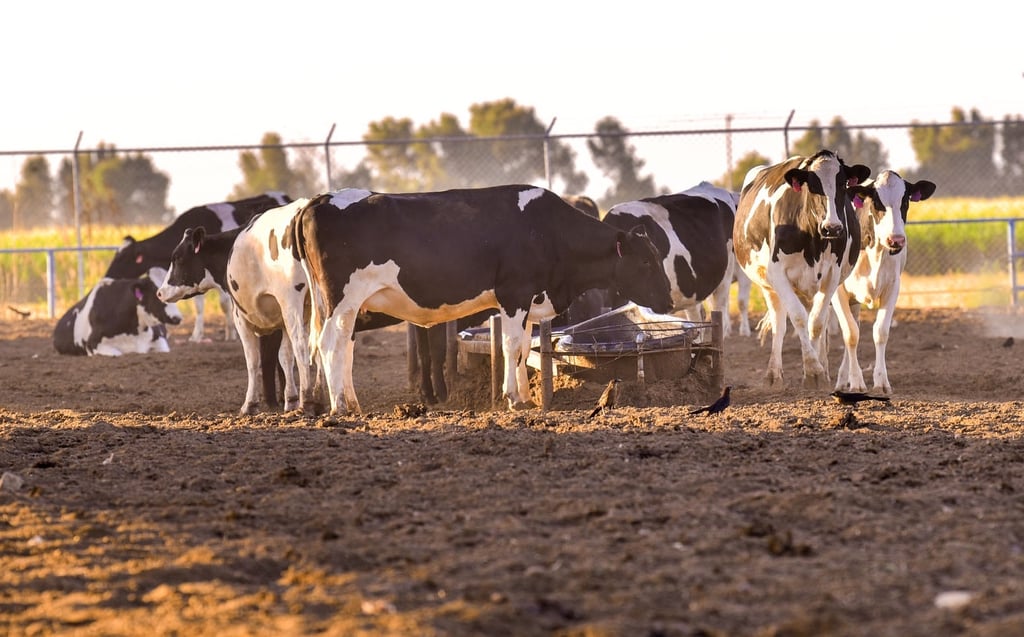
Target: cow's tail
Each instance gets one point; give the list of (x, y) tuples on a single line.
[(300, 235), (764, 326)]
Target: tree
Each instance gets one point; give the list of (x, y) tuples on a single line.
[(33, 195), (856, 148), (442, 154), (6, 210), (114, 188), (734, 181), (616, 158), (269, 170), (960, 156)]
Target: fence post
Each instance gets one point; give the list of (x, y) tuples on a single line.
[(1011, 248), (51, 282), (327, 157), (75, 177), (547, 152)]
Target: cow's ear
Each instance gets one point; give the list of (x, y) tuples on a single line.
[(921, 190), (857, 174), (796, 178), (198, 237)]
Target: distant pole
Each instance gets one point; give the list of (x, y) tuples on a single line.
[(78, 217), (547, 152), (728, 151), (327, 157), (785, 134)]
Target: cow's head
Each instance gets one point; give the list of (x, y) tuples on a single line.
[(822, 179), (883, 203), (639, 275), (149, 308), (131, 261), (187, 275)]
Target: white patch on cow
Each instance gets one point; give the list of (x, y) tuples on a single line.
[(83, 329), (827, 168), (379, 286), (347, 196), (157, 275), (173, 293), (526, 196), (224, 212), (713, 193)]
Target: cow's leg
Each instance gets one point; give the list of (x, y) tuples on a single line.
[(818, 319), (225, 305), (883, 323), (270, 347), (515, 345), (251, 349), (719, 299), (813, 370), (849, 377), (336, 347), (197, 330), (305, 394), (423, 355), (743, 284), (437, 341), (775, 320)]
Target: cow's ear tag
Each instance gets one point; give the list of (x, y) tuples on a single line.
[(852, 181), (138, 293), (138, 258), (618, 248), (197, 246), (795, 185), (916, 196), (858, 202)]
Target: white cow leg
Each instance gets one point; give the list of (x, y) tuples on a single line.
[(336, 349), (817, 332), (286, 357), (197, 330), (883, 322), (743, 302), (296, 333), (719, 301), (226, 305), (777, 319), (513, 347), (251, 349), (849, 377)]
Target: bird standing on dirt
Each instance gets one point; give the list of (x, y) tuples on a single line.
[(718, 406), (607, 399), (854, 397)]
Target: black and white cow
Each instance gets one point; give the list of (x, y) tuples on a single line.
[(797, 237), (433, 257), (117, 316), (134, 258), (883, 203), (692, 231), (255, 266)]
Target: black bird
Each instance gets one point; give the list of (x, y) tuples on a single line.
[(854, 397), (607, 399), (1008, 342), (23, 314), (718, 406)]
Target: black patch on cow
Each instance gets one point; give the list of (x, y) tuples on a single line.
[(272, 245), (138, 257), (234, 285)]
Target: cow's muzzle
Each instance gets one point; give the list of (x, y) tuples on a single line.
[(832, 231), (896, 244)]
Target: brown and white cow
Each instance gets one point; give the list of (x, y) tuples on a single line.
[(797, 237), (433, 257), (136, 257), (692, 231), (882, 203)]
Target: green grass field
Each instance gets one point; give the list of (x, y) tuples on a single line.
[(950, 264)]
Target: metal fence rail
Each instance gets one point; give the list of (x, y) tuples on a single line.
[(21, 284)]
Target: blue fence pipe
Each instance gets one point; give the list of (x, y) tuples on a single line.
[(51, 268)]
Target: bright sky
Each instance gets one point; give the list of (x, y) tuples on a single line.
[(140, 74)]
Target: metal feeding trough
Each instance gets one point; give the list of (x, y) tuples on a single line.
[(629, 342)]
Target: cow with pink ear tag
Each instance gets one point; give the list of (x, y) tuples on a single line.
[(882, 204)]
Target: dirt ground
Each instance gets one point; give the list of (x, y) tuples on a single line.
[(147, 506)]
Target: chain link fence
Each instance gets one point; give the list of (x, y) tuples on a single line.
[(950, 263)]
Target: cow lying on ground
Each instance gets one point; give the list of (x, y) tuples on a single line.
[(135, 258), (883, 203), (692, 231), (797, 237), (118, 316), (432, 257)]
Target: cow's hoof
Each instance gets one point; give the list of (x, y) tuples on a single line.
[(291, 404), (522, 405), (250, 409)]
